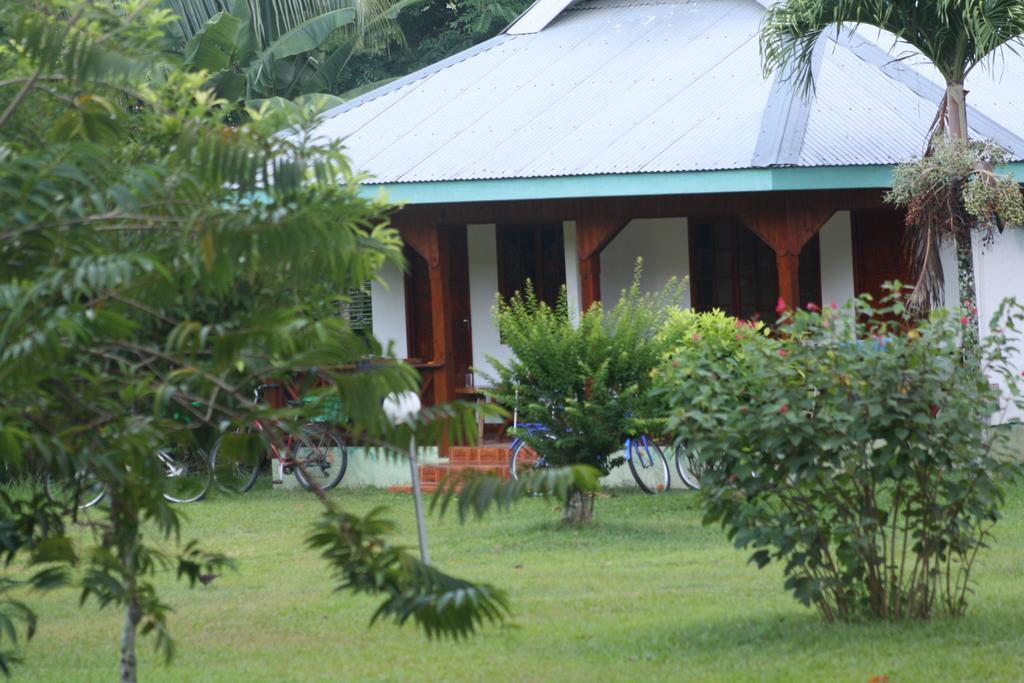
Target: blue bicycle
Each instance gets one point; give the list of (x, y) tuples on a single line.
[(646, 460)]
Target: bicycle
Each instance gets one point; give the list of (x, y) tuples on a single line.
[(647, 462), (689, 467), (188, 471), (318, 458)]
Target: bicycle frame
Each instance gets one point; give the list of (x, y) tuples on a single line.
[(637, 444), (640, 445)]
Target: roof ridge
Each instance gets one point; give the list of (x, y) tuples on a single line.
[(924, 87), (785, 117)]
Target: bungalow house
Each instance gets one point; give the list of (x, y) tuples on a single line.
[(593, 132)]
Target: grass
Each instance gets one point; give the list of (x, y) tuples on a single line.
[(647, 594)]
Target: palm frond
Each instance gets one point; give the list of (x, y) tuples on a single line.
[(922, 244), (441, 604), (477, 492)]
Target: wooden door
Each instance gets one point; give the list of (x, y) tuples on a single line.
[(879, 254), (453, 240)]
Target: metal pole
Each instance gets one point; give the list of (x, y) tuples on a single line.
[(418, 501)]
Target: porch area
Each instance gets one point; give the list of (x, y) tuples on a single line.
[(739, 252)]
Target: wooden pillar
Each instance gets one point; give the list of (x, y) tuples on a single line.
[(592, 235), (786, 222), (789, 278), (426, 240), (590, 282)]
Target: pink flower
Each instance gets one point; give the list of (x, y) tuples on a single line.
[(964, 320), (782, 353), (826, 324), (780, 305), (739, 336), (784, 409), (739, 323), (974, 310), (834, 305), (696, 336), (813, 307)]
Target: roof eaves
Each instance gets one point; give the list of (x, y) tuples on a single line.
[(926, 88), (400, 83)]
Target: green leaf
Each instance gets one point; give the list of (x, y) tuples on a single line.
[(215, 47), (310, 34)]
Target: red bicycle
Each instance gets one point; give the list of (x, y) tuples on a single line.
[(317, 457)]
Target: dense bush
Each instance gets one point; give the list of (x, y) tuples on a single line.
[(588, 383), (856, 453)]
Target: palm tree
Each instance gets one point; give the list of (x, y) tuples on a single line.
[(280, 48), (955, 35)]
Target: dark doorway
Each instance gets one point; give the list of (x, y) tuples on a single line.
[(419, 323), (733, 270), (879, 255), (454, 242)]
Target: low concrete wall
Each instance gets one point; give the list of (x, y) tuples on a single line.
[(372, 467)]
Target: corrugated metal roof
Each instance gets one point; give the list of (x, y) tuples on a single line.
[(634, 86)]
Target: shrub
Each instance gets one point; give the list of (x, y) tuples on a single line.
[(588, 383), (856, 454), (687, 331), (690, 337)]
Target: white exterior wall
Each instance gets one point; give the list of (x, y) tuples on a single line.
[(483, 288), (388, 304), (572, 271), (664, 245), (947, 257), (997, 272), (836, 240)]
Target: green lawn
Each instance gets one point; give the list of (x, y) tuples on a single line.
[(647, 594)]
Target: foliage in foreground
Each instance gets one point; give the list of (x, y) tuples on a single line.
[(589, 383), (857, 452), (157, 265)]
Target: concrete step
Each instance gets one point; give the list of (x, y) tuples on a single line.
[(431, 476)]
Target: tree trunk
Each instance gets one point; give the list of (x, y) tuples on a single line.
[(132, 616), (956, 112), (578, 508)]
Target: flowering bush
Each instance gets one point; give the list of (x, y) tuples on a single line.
[(690, 337), (858, 455)]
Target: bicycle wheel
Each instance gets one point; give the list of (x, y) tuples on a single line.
[(189, 474), (320, 458), (235, 472), (688, 467), (522, 458), (649, 467), (82, 490)]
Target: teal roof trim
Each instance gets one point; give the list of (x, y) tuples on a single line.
[(643, 184)]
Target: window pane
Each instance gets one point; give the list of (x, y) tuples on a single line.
[(533, 253)]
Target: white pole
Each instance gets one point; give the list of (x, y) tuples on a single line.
[(418, 500), (402, 408)]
